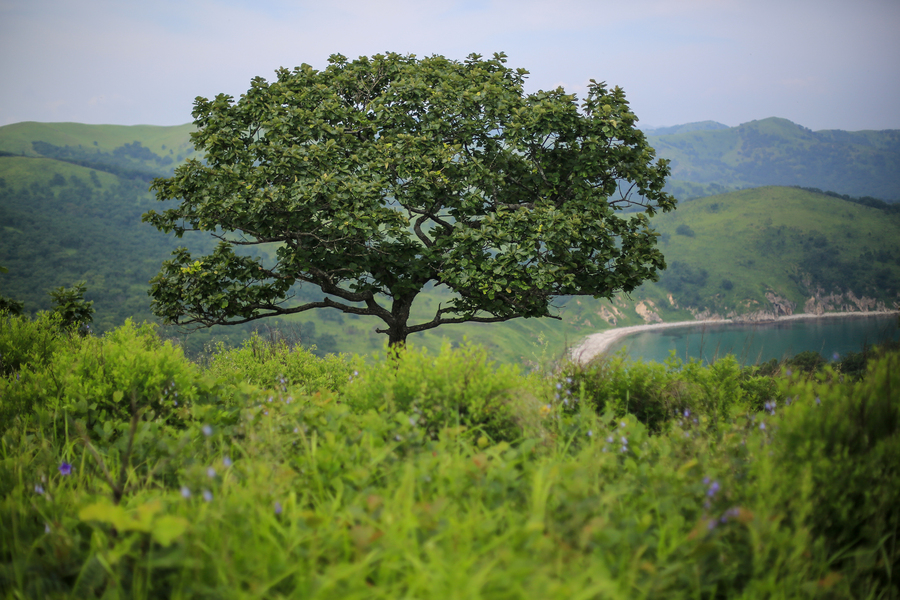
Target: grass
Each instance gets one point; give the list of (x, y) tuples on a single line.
[(128, 472), (17, 138)]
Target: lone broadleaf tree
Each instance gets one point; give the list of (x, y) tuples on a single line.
[(379, 176)]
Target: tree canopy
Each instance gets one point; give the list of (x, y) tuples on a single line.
[(379, 176)]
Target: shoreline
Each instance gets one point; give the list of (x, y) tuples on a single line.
[(598, 343)]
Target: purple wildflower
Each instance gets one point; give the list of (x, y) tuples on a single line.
[(207, 495), (226, 461), (207, 430), (210, 472), (185, 492), (38, 488), (277, 508), (65, 468), (713, 488)]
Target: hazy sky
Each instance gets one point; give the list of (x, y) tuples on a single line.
[(823, 64)]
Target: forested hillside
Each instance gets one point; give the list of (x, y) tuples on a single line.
[(778, 152)]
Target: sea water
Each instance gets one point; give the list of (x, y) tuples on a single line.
[(753, 343)]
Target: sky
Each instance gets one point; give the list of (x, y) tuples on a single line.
[(822, 64)]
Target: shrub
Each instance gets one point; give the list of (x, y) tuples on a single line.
[(25, 341), (654, 392), (649, 391), (99, 381), (457, 388), (276, 364), (847, 437), (74, 312), (809, 361)]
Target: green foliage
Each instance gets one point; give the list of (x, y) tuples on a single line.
[(382, 175), (24, 341), (845, 436), (276, 364), (318, 495), (655, 393), (457, 388), (74, 312), (10, 306), (647, 390), (103, 382)]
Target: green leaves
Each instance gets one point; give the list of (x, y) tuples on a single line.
[(379, 175), (163, 529)]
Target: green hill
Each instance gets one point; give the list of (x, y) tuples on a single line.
[(778, 152), (70, 210), (759, 253)]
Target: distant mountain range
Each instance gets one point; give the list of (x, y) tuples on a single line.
[(709, 157)]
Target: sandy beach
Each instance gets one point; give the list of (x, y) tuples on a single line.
[(599, 343)]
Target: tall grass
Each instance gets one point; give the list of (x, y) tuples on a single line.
[(440, 475)]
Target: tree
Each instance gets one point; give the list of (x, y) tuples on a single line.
[(73, 310), (379, 176)]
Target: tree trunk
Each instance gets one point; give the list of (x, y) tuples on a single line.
[(397, 337)]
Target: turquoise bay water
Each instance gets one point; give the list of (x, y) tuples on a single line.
[(757, 343)]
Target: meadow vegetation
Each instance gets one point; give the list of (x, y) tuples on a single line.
[(267, 472)]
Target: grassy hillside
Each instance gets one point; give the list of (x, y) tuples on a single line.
[(164, 141), (757, 253), (778, 152), (73, 213), (726, 252)]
